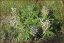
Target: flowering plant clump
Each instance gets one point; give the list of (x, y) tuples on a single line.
[(30, 21), (44, 22)]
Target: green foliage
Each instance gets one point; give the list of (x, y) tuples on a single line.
[(48, 33), (3, 36)]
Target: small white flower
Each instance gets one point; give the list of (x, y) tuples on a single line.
[(13, 10)]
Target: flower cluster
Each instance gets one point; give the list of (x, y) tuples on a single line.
[(45, 10), (14, 11), (33, 30), (45, 24), (13, 19)]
